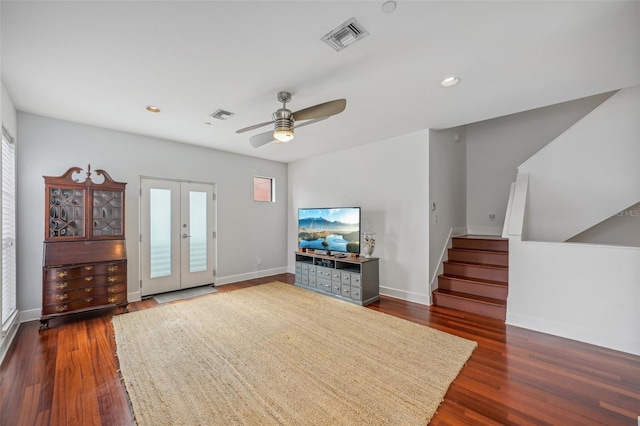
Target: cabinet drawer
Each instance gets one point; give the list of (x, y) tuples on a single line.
[(326, 273), (298, 267), (346, 277), (336, 276), (356, 293), (336, 287), (305, 279), (355, 280), (116, 268), (62, 273), (62, 297), (87, 301), (312, 269), (299, 278), (305, 268), (324, 284), (313, 281), (346, 290), (60, 285)]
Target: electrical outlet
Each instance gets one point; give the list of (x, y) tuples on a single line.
[(259, 261)]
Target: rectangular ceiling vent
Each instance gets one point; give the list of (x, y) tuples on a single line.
[(345, 35), (222, 114)]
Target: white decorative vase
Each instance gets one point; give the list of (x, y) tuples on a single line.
[(369, 244)]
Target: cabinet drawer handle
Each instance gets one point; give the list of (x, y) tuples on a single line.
[(112, 268), (62, 297), (62, 285), (88, 268), (88, 299), (88, 279), (88, 289), (61, 308), (112, 289), (112, 299), (62, 274), (113, 279)]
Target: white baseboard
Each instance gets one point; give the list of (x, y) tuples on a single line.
[(423, 299), (249, 276), (30, 315), (7, 339), (136, 296)]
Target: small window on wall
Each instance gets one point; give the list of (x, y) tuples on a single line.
[(264, 189)]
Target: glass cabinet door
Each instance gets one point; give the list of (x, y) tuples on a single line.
[(107, 213), (66, 212)]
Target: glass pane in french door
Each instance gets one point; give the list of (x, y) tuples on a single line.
[(198, 223), (160, 232)]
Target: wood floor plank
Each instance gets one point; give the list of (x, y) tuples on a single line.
[(69, 374)]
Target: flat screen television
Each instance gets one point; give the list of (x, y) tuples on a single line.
[(331, 229)]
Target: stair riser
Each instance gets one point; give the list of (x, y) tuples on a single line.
[(472, 271), (479, 244), (474, 307), (476, 288), (488, 258)]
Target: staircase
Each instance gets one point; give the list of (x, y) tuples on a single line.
[(476, 276)]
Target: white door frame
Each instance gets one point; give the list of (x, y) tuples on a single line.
[(178, 276)]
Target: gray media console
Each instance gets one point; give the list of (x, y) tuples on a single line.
[(354, 279)]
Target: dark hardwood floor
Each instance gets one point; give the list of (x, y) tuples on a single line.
[(68, 374)]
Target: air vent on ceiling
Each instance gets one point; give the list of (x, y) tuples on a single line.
[(345, 35), (222, 114)]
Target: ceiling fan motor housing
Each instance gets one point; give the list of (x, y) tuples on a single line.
[(283, 121)]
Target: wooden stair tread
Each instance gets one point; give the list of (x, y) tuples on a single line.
[(481, 265), (484, 250), (475, 280), (465, 296), (482, 237)]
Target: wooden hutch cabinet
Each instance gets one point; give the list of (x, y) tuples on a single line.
[(85, 259)]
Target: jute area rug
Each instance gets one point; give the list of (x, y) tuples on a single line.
[(276, 354)]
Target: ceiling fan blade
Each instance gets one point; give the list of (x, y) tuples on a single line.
[(261, 139), (306, 123), (255, 126), (321, 110)]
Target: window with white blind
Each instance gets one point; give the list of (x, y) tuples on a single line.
[(8, 206)]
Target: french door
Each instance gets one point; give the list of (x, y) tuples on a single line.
[(177, 235)]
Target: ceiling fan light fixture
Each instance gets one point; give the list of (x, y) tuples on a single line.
[(283, 134)]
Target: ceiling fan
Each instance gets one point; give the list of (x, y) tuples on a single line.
[(283, 120)]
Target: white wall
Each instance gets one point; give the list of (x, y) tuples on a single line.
[(588, 172), (447, 189), (582, 292), (621, 229), (246, 229), (389, 181), (495, 148), (588, 293)]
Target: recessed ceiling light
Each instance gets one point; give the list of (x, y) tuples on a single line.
[(450, 81), (153, 109), (388, 6)]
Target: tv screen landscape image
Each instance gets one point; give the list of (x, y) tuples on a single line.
[(333, 229)]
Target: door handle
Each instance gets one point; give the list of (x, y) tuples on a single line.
[(186, 236)]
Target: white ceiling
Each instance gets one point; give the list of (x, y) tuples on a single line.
[(102, 62)]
